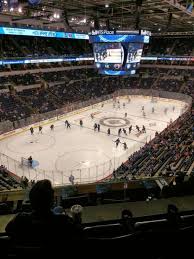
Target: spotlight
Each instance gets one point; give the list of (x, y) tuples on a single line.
[(19, 9)]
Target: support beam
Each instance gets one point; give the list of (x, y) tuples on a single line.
[(177, 5)]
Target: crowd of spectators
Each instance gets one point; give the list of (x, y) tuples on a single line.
[(170, 153), (45, 228), (180, 46), (8, 181), (23, 46), (55, 89)]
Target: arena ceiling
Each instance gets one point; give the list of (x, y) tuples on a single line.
[(83, 15)]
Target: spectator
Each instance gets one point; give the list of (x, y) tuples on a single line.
[(127, 221), (42, 227)]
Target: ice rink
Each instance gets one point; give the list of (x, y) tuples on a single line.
[(87, 154)]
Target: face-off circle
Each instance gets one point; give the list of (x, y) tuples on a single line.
[(114, 122)]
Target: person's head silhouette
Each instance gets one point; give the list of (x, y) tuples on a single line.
[(41, 196)]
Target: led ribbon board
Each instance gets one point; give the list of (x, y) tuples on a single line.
[(74, 59), (42, 33)]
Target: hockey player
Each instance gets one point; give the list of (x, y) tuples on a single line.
[(137, 128), (123, 105), (52, 127), (125, 132), (119, 132), (102, 105), (117, 142), (144, 114), (153, 110), (71, 179), (40, 129), (125, 115), (98, 126), (130, 129), (119, 106), (66, 122), (125, 146), (165, 110), (32, 131), (95, 126), (142, 108), (30, 161), (81, 123), (68, 125), (143, 129), (108, 132), (92, 116)]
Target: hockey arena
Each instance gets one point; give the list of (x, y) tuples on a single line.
[(96, 127), (83, 152)]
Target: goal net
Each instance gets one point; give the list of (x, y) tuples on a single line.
[(25, 162)]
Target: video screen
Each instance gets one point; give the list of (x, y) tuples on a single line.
[(109, 53), (135, 51)]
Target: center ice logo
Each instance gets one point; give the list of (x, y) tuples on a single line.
[(114, 122)]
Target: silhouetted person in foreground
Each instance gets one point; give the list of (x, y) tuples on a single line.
[(42, 227), (173, 217)]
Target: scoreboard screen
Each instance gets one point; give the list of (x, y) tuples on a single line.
[(108, 52), (117, 54)]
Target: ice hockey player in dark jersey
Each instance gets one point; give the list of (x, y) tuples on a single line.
[(143, 129), (81, 123), (95, 126), (125, 146), (117, 142), (40, 129), (125, 132), (32, 131), (130, 129), (68, 125)]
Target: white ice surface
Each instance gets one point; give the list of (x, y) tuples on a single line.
[(90, 156)]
